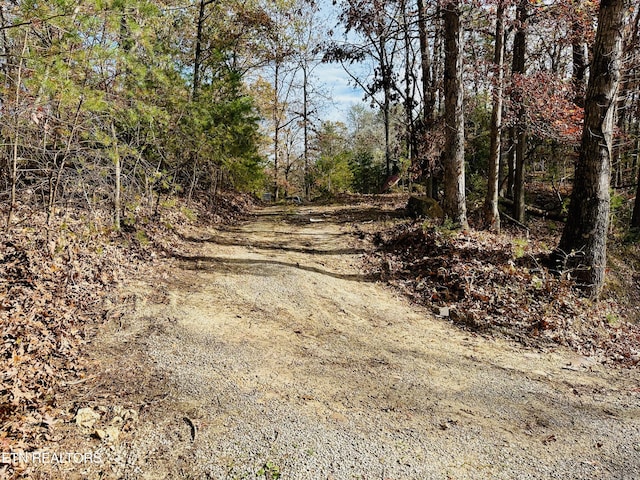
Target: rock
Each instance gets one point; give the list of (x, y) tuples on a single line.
[(110, 434), (117, 422), (424, 207), (86, 418)]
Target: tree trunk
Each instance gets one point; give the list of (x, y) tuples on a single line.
[(116, 193), (305, 126), (454, 182), (520, 134), (519, 204), (408, 94), (428, 91), (438, 60), (635, 218), (13, 174), (276, 132), (588, 218), (579, 64), (425, 65), (197, 60), (5, 65), (492, 215), (386, 109), (502, 172)]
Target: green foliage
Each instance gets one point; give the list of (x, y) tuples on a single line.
[(270, 471), (333, 173), (367, 173), (189, 214), (612, 319), (92, 67), (142, 238), (621, 210), (520, 246), (221, 131), (476, 184), (617, 201), (477, 135)]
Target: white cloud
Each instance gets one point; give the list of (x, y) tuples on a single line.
[(341, 95)]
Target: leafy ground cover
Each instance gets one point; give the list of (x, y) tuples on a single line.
[(499, 285), (57, 285)]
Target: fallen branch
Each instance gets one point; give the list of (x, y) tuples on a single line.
[(192, 425), (538, 212), (516, 222)]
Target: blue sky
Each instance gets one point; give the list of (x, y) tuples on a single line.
[(334, 82)]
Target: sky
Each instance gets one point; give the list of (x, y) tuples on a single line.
[(332, 80), (334, 83)]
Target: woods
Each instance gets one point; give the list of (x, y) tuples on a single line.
[(508, 125), (111, 103), (136, 137), (585, 235), (497, 110), (112, 107), (134, 101)]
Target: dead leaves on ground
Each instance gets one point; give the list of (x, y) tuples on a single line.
[(56, 284), (51, 290), (496, 284)]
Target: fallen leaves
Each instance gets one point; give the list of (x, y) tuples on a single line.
[(495, 284), (56, 285), (47, 303)]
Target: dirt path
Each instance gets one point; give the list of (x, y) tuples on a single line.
[(265, 352)]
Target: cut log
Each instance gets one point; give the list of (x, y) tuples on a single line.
[(538, 212)]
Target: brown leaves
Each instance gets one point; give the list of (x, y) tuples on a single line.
[(44, 307), (496, 284), (54, 282)]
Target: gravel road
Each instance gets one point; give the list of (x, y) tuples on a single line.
[(263, 351)]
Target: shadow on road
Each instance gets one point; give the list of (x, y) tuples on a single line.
[(242, 265)]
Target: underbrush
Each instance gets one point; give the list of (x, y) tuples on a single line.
[(58, 283), (498, 285)]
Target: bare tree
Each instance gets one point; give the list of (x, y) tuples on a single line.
[(492, 215), (520, 129)]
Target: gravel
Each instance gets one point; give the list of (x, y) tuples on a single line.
[(287, 363)]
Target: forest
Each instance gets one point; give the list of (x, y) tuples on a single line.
[(125, 124), (111, 105)]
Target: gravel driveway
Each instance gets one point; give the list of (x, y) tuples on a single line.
[(263, 352)]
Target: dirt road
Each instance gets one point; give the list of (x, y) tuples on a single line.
[(264, 352)]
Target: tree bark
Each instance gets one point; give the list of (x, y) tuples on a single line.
[(197, 60), (588, 217), (635, 217), (492, 215), (13, 174), (305, 126), (408, 84), (520, 134), (579, 56), (428, 92), (425, 65), (276, 132), (117, 190), (454, 204), (385, 75)]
